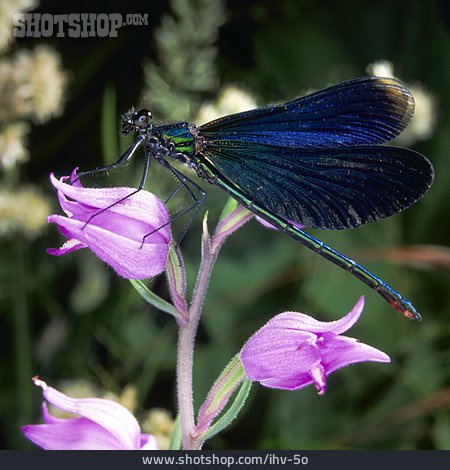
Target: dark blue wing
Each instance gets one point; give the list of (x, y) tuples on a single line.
[(324, 188), (364, 111)]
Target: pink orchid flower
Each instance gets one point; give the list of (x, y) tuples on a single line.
[(101, 425), (294, 350), (116, 235)]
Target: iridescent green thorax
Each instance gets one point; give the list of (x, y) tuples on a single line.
[(180, 134)]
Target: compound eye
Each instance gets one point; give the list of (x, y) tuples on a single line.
[(143, 118)]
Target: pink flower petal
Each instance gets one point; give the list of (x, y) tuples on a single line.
[(273, 353), (129, 258), (72, 434), (48, 418), (149, 442), (142, 206), (346, 322), (132, 235), (342, 351), (70, 245), (319, 378), (295, 382), (294, 350), (110, 416), (265, 223), (74, 181), (268, 225), (100, 425), (301, 321)]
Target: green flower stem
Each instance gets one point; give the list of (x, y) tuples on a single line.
[(186, 334), (186, 341), (187, 331)]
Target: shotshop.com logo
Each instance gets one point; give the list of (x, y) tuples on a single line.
[(74, 25)]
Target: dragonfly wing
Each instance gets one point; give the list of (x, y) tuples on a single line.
[(364, 111), (324, 188)]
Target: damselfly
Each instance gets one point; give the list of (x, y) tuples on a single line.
[(315, 162)]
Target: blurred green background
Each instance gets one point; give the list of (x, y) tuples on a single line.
[(76, 324)]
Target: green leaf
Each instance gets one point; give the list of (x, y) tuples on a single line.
[(176, 276), (154, 299), (175, 435), (228, 208), (231, 413)]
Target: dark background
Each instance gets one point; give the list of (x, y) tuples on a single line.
[(82, 323)]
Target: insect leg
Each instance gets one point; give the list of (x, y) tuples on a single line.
[(172, 194), (195, 191), (122, 160)]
